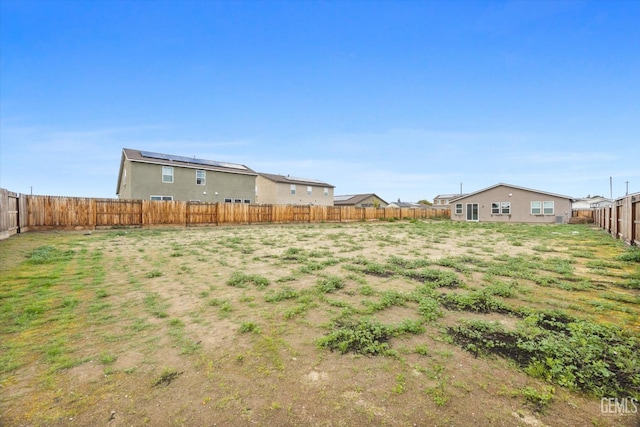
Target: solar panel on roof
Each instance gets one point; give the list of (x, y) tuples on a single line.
[(294, 178), (193, 160), (152, 155)]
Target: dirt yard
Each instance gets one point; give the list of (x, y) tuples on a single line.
[(234, 326)]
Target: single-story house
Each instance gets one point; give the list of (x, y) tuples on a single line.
[(288, 190), (157, 176), (588, 203), (510, 203), (411, 205), (359, 200)]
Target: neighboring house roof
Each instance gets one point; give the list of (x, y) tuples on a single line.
[(590, 202), (400, 204), (151, 157), (188, 162), (354, 199), (449, 196), (510, 186), (281, 179)]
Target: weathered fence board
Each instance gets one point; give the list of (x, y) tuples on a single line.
[(118, 213), (9, 218), (202, 213), (622, 220)]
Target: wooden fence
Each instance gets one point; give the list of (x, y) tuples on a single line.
[(23, 213), (8, 213), (622, 219)]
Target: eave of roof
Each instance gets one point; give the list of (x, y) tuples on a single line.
[(135, 156), (502, 184)]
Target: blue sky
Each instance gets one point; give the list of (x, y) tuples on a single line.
[(405, 99)]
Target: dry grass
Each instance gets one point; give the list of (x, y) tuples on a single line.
[(222, 326)]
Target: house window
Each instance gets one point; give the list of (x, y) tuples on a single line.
[(505, 208), (201, 177), (247, 201), (169, 198), (167, 174), (326, 192), (227, 200), (309, 190), (293, 189), (458, 208), (237, 201), (495, 208), (547, 208), (536, 208)]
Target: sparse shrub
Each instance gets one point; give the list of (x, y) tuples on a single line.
[(538, 399), (478, 301), (248, 327), (429, 309), (239, 280), (631, 255), (364, 337), (573, 353), (48, 254), (330, 283), (387, 299), (283, 294)]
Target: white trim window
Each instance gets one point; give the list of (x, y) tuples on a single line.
[(309, 190), (495, 208), (165, 198), (293, 189), (167, 174), (326, 192), (548, 208), (201, 177), (536, 208), (458, 208), (505, 208), (227, 200)]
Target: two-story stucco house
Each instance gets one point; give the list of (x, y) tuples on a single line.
[(510, 203), (156, 176), (288, 190)]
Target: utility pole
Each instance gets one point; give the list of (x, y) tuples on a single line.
[(611, 187), (460, 188), (627, 182)]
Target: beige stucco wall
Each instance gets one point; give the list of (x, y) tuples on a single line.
[(372, 200), (520, 206), (276, 193), (144, 180), (125, 181)]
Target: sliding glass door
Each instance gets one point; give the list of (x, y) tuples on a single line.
[(472, 212)]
